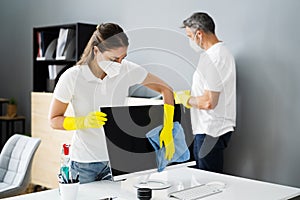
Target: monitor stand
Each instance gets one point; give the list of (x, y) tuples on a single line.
[(153, 184)]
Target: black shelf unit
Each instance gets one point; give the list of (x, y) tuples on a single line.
[(82, 32)]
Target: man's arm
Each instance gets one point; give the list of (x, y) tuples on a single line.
[(209, 100)]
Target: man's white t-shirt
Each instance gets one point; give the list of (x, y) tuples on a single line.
[(215, 72), (87, 93)]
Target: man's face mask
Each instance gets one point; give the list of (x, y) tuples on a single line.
[(109, 67), (194, 45)]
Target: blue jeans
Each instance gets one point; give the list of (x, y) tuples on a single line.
[(89, 172), (208, 151)]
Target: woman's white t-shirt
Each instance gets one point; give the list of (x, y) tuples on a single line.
[(86, 93)]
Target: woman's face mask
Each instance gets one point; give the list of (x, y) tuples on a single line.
[(109, 67)]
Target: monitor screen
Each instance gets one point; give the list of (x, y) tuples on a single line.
[(129, 151)]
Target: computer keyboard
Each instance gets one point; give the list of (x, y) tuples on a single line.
[(196, 192)]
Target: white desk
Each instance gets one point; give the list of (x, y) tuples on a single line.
[(236, 188)]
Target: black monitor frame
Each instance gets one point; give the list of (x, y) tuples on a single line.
[(129, 151)]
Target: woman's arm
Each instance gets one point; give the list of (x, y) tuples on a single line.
[(155, 83), (56, 114), (166, 136)]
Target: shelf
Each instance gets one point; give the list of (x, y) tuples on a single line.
[(4, 100), (56, 61), (43, 59), (16, 118), (69, 40)]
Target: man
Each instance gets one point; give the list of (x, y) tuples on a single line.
[(213, 94)]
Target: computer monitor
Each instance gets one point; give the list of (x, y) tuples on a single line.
[(130, 152)]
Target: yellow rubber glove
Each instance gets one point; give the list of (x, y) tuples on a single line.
[(182, 97), (166, 136), (94, 119)]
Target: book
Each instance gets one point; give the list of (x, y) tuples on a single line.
[(39, 43), (61, 42), (65, 44), (54, 70)]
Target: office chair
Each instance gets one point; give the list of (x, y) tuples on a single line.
[(15, 164)]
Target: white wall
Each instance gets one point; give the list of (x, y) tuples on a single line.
[(262, 34)]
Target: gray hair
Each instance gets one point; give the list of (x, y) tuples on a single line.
[(200, 21)]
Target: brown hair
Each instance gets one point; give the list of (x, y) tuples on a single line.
[(106, 36)]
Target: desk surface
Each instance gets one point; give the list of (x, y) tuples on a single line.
[(236, 188)]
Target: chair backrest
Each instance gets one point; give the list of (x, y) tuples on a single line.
[(15, 160)]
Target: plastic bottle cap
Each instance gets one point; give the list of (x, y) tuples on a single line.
[(144, 193), (66, 149)]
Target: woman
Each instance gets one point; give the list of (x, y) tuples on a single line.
[(102, 77)]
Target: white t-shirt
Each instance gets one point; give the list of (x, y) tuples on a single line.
[(215, 72), (86, 93)]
